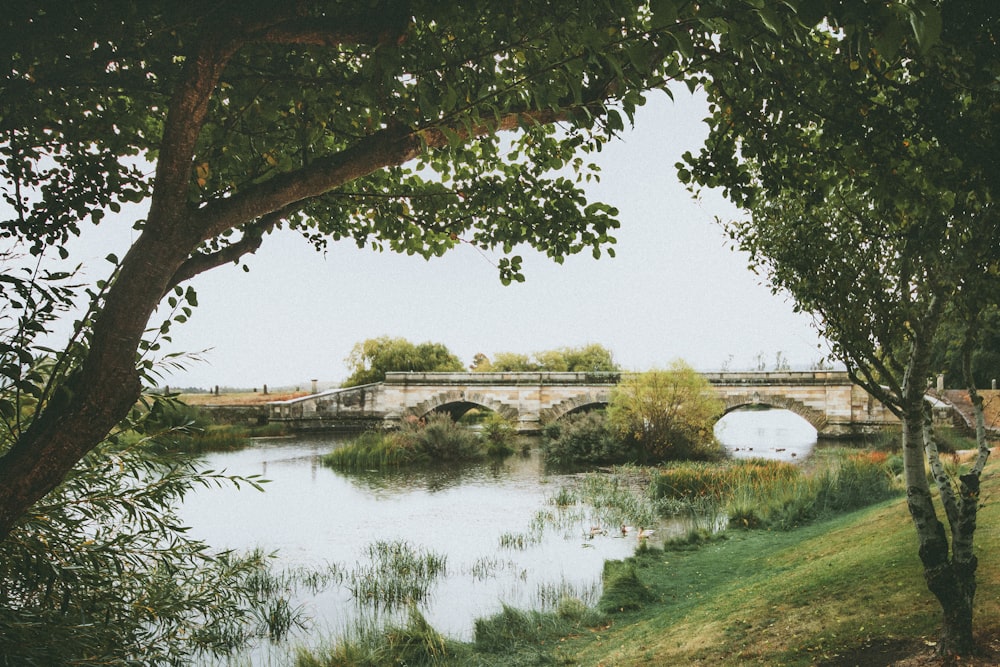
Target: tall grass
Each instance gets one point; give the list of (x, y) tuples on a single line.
[(413, 643), (397, 573), (850, 482), (759, 493), (371, 450), (521, 636), (436, 439)]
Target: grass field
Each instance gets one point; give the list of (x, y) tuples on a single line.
[(848, 591)]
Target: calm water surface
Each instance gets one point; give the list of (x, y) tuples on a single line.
[(313, 516)]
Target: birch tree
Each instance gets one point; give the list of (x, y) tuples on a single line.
[(864, 159)]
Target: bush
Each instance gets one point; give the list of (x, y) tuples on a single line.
[(436, 439), (499, 435), (668, 415), (584, 438)]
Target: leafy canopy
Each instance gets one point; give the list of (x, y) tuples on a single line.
[(869, 183), (371, 359), (592, 358)]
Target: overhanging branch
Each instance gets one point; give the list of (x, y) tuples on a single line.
[(253, 236), (393, 145)]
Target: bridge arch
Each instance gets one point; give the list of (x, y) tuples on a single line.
[(454, 401), (816, 418), (571, 406)]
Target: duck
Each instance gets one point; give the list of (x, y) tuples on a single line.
[(643, 533)]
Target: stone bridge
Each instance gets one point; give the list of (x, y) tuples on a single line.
[(826, 399)]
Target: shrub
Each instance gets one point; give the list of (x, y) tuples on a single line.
[(499, 434), (584, 438), (439, 438), (668, 415)]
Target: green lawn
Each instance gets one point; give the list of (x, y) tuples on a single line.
[(809, 596)]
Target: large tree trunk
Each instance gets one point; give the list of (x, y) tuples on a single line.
[(954, 586), (949, 569)]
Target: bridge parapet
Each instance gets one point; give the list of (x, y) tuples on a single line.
[(779, 378), (502, 378)]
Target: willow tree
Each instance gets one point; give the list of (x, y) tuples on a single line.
[(865, 160), (372, 358)]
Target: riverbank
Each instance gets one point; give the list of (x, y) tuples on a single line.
[(849, 591)]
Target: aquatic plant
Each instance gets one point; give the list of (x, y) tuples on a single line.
[(396, 573), (519, 541), (436, 439), (369, 450), (849, 481), (414, 643), (551, 595)]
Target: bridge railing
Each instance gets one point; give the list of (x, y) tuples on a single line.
[(502, 378), (779, 377)]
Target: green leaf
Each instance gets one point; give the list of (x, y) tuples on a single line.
[(925, 19)]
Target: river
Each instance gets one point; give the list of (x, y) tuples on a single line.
[(312, 516)]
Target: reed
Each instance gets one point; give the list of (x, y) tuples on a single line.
[(204, 441), (551, 596), (436, 439), (519, 541), (365, 645), (372, 450), (619, 497), (848, 481), (396, 573)]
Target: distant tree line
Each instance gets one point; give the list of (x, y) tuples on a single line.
[(372, 358)]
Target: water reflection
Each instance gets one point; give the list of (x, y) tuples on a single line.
[(767, 433)]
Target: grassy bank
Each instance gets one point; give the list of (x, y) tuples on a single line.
[(845, 591), (842, 591)]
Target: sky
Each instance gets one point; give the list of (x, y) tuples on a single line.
[(675, 290)]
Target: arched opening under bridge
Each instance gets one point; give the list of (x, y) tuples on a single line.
[(765, 431)]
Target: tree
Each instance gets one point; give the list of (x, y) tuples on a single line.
[(863, 156), (371, 359), (948, 350), (667, 414), (508, 362), (408, 126), (591, 358)]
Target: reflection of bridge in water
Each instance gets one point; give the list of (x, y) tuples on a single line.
[(826, 399)]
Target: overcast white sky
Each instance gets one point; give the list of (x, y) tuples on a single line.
[(674, 290)]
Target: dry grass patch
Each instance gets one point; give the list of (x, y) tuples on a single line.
[(241, 398)]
